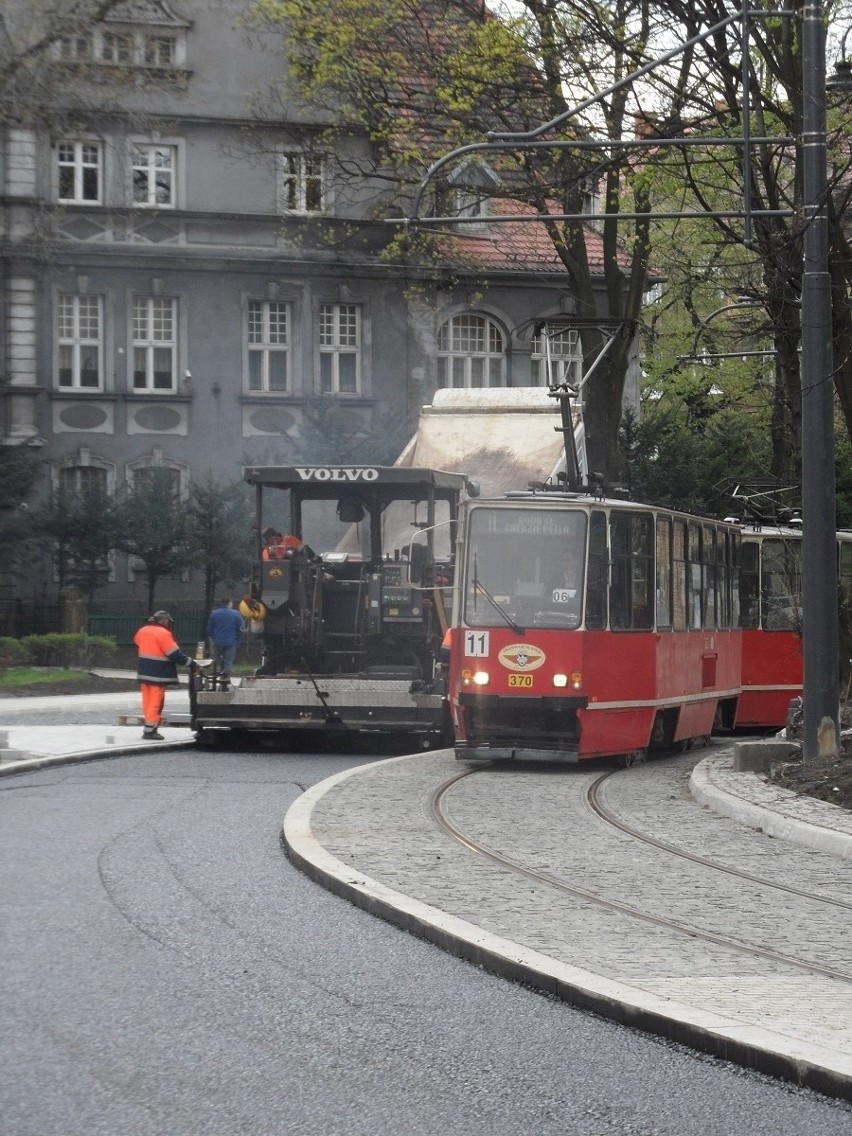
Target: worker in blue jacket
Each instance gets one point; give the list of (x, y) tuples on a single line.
[(224, 629)]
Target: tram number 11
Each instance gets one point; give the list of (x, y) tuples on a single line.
[(476, 644)]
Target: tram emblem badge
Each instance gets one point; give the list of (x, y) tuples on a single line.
[(521, 657)]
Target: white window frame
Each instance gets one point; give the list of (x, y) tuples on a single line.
[(139, 46), (155, 459), (150, 316), (471, 352), (79, 162), (83, 459), (74, 475), (156, 39), (143, 159), (268, 337), (301, 183), (340, 340), (74, 48), (117, 46), (557, 358), (468, 201), (74, 319)]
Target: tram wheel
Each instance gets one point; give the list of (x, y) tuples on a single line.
[(635, 757)]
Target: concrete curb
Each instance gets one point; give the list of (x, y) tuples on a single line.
[(811, 1066), (41, 761), (714, 785)]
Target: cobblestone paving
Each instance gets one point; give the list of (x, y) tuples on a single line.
[(379, 823)]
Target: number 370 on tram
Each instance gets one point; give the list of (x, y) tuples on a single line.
[(588, 628)]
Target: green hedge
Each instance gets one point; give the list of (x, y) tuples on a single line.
[(58, 650), (13, 653)]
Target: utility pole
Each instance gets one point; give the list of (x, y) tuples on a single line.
[(819, 543)]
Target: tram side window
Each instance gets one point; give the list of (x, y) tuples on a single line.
[(781, 589), (734, 563), (598, 571), (680, 590), (631, 603), (694, 563), (750, 584), (723, 577), (709, 579), (664, 571)]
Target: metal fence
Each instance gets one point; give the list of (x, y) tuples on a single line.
[(19, 619), (190, 627)]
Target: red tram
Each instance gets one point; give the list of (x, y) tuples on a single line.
[(771, 618), (586, 627)]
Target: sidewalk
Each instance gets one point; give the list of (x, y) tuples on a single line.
[(369, 835), (31, 746)]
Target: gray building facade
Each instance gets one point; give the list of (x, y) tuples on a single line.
[(181, 281)]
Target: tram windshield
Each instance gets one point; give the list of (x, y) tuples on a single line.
[(525, 567)]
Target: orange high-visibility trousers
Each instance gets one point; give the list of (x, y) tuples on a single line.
[(153, 698)]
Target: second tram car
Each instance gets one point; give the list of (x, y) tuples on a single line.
[(771, 619), (587, 627)]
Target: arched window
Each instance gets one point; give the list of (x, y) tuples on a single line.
[(155, 467), (84, 471), (471, 353), (557, 357)]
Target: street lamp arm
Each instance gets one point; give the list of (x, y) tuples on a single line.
[(702, 325), (498, 140), (732, 18)]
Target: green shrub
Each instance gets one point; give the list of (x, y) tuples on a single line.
[(64, 650), (13, 652)]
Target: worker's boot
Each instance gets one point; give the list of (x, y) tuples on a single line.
[(152, 734)]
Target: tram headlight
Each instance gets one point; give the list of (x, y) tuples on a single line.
[(560, 680), (481, 678), (576, 680)]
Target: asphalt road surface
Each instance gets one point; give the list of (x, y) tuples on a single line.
[(167, 972)]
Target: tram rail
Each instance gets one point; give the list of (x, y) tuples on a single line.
[(594, 800)]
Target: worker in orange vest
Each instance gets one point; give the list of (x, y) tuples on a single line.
[(159, 658)]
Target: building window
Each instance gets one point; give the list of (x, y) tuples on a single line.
[(468, 201), (125, 47), (557, 357), (117, 47), (159, 50), (80, 340), (268, 346), (77, 480), (153, 169), (73, 48), (470, 353), (302, 183), (166, 478), (79, 172), (154, 344), (340, 348)]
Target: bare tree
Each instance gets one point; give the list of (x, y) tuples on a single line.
[(395, 85)]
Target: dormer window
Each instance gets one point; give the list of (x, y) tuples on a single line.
[(117, 47), (73, 49), (160, 50), (142, 45), (468, 202), (470, 189)]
